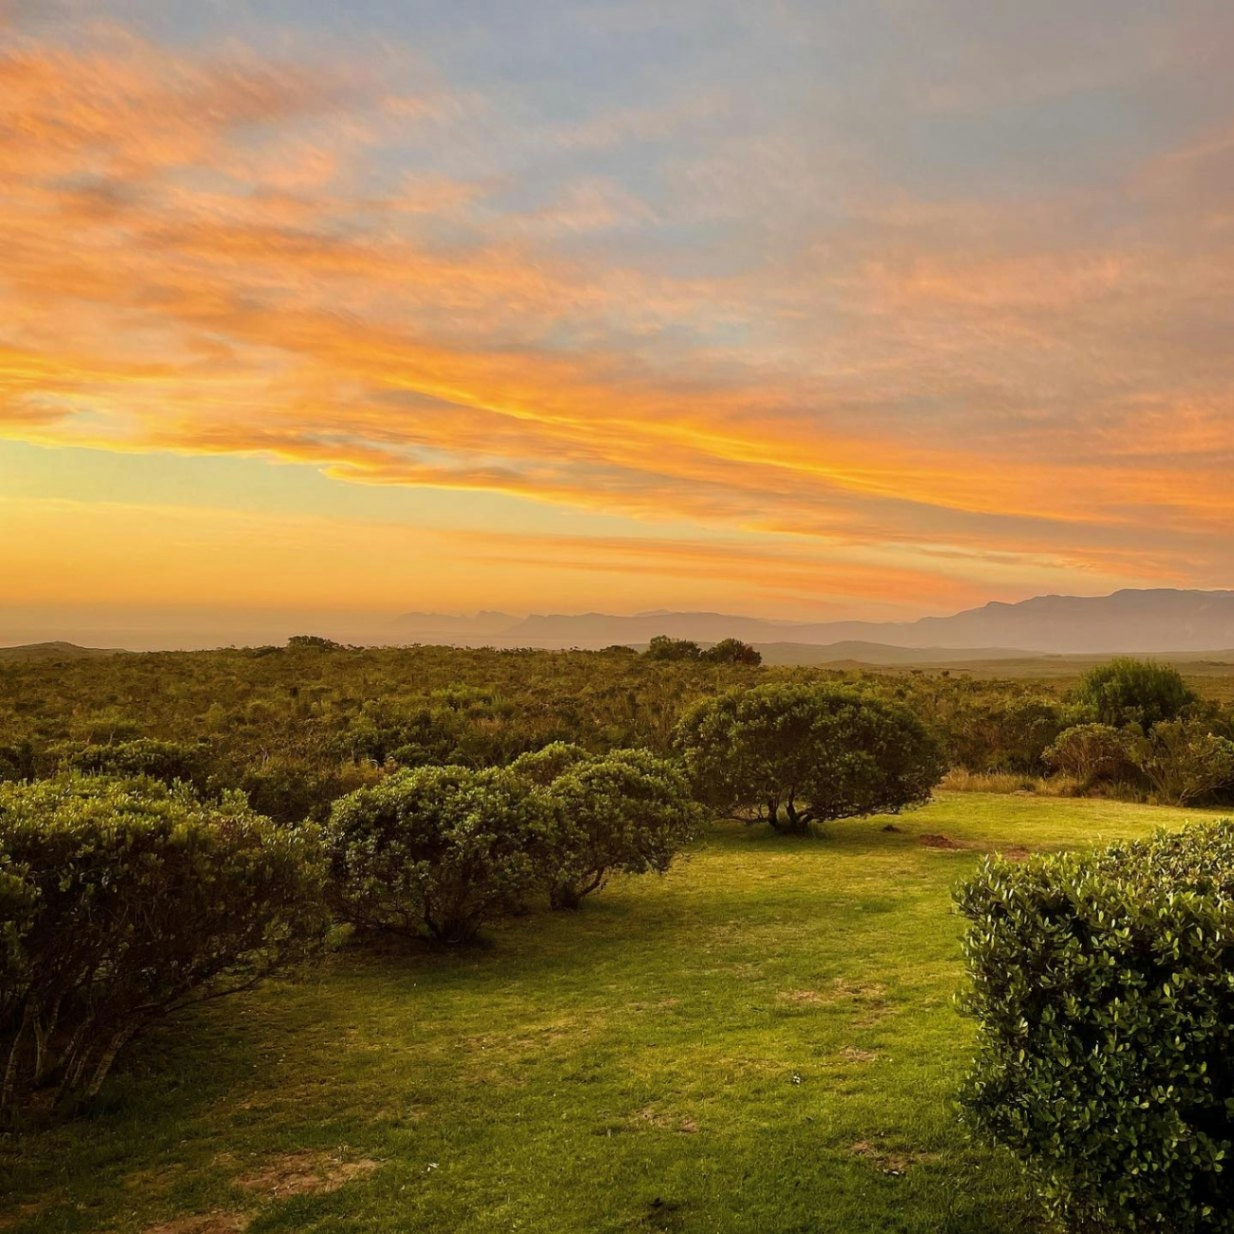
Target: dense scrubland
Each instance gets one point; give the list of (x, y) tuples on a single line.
[(296, 727), (457, 1002)]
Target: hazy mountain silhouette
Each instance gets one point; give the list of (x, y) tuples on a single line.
[(1146, 621)]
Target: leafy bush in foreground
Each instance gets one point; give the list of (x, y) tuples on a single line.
[(123, 901), (1104, 998), (440, 850), (792, 755), (627, 811)]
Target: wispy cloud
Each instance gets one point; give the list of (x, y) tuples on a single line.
[(666, 312)]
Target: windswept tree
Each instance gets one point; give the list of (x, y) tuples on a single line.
[(793, 755)]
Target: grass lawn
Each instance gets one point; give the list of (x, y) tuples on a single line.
[(764, 1041)]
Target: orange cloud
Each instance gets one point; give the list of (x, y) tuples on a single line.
[(195, 263)]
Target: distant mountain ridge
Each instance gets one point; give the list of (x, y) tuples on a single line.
[(1151, 620)]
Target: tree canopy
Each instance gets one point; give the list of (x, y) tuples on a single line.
[(792, 755)]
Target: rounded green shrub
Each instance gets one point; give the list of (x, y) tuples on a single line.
[(1091, 753), (1103, 992), (438, 850), (1129, 691), (122, 901), (543, 766), (143, 756), (796, 754), (627, 812)]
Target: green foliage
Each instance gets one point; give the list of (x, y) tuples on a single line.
[(1184, 762), (623, 1070), (732, 651), (143, 756), (1127, 691), (792, 755), (17, 761), (1105, 1009), (543, 766), (124, 900), (988, 729), (662, 647), (1091, 753), (296, 729), (627, 811), (437, 850)]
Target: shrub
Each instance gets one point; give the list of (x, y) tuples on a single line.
[(123, 901), (1105, 1009), (1091, 753), (1184, 762), (1127, 691), (543, 766), (17, 762), (662, 647), (437, 850), (627, 811), (732, 651), (145, 756), (793, 755)]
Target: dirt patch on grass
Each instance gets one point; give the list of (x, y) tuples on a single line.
[(203, 1223), (938, 840), (1012, 852), (852, 1054), (895, 1162), (304, 1174), (809, 997), (867, 998), (664, 1120)]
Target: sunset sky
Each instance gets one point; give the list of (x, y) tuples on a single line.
[(803, 308)]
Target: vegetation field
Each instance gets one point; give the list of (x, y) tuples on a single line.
[(764, 1041)]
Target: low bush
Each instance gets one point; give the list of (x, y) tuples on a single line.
[(122, 901), (145, 756), (1105, 1049), (1092, 754), (438, 850), (1184, 762), (627, 812)]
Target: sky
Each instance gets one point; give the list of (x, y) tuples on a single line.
[(806, 309)]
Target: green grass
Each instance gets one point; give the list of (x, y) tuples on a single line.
[(763, 1041)]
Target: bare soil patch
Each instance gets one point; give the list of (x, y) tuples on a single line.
[(895, 1162), (937, 840), (304, 1174)]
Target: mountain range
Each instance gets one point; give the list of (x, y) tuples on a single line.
[(1157, 620)]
